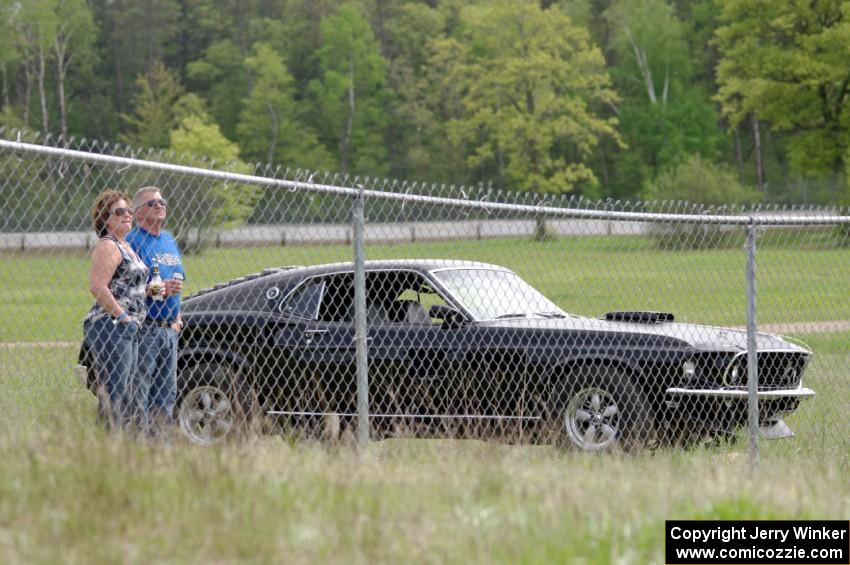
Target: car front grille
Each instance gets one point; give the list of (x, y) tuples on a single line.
[(776, 370)]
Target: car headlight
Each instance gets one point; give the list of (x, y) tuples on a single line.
[(689, 370), (733, 377)]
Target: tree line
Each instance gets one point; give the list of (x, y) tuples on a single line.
[(717, 101)]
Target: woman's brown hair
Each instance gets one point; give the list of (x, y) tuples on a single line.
[(100, 211)]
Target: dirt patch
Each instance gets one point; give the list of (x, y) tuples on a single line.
[(829, 326), (38, 344)]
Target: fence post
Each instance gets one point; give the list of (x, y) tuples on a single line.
[(360, 337), (752, 356)]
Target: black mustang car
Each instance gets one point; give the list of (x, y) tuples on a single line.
[(465, 349)]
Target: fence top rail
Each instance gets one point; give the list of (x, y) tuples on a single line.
[(543, 211)]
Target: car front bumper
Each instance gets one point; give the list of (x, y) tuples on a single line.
[(798, 393)]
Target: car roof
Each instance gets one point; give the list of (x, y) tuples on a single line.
[(421, 265), (301, 272)]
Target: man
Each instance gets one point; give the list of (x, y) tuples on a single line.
[(157, 373)]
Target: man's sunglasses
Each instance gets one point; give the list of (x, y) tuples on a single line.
[(155, 201), (122, 212)]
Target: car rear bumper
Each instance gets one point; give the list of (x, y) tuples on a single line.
[(799, 393)]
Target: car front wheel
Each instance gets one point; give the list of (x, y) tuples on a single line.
[(604, 411), (592, 419)]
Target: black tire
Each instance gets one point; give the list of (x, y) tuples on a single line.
[(214, 403), (86, 359), (601, 409)]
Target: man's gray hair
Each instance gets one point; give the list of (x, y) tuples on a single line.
[(137, 198)]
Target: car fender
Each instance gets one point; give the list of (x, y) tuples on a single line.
[(566, 366), (204, 352)]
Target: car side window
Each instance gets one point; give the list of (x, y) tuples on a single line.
[(304, 302), (338, 299), (419, 304), (392, 297), (400, 297)]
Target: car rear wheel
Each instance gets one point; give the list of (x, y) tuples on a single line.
[(604, 411), (214, 404)]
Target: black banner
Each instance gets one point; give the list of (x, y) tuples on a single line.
[(762, 542)]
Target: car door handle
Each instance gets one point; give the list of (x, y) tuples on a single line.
[(310, 334)]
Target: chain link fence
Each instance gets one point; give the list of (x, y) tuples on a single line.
[(319, 305)]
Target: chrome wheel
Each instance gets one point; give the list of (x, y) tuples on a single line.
[(206, 415), (592, 419)]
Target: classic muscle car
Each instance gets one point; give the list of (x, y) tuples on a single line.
[(461, 348)]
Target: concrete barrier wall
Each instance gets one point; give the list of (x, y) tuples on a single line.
[(311, 234), (47, 240)]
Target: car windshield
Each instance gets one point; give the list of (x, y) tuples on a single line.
[(490, 294)]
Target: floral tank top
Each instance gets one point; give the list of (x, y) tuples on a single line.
[(127, 286)]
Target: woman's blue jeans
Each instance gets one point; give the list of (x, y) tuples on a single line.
[(115, 349)]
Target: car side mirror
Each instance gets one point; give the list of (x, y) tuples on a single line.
[(451, 317)]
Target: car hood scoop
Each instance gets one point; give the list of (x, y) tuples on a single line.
[(695, 335), (638, 317)]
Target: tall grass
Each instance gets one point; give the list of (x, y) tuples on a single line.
[(74, 494), (70, 492)]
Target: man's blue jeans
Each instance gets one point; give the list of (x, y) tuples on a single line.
[(115, 348), (157, 374)]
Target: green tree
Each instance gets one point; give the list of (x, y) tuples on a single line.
[(270, 128), (697, 180), (190, 105), (153, 116), (417, 131), (36, 22), (664, 114), (298, 35), (137, 34), (784, 63), (583, 12), (700, 17), (211, 205), (10, 119), (9, 50), (222, 77), (650, 47), (73, 48), (534, 89), (351, 96), (47, 38)]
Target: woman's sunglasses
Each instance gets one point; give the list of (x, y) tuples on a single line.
[(122, 212)]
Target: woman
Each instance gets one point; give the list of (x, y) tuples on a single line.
[(117, 281)]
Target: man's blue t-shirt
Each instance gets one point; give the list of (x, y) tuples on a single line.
[(163, 249)]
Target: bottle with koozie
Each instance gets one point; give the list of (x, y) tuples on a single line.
[(177, 277), (156, 285)]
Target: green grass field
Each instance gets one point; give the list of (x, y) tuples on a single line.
[(45, 297), (71, 493)]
